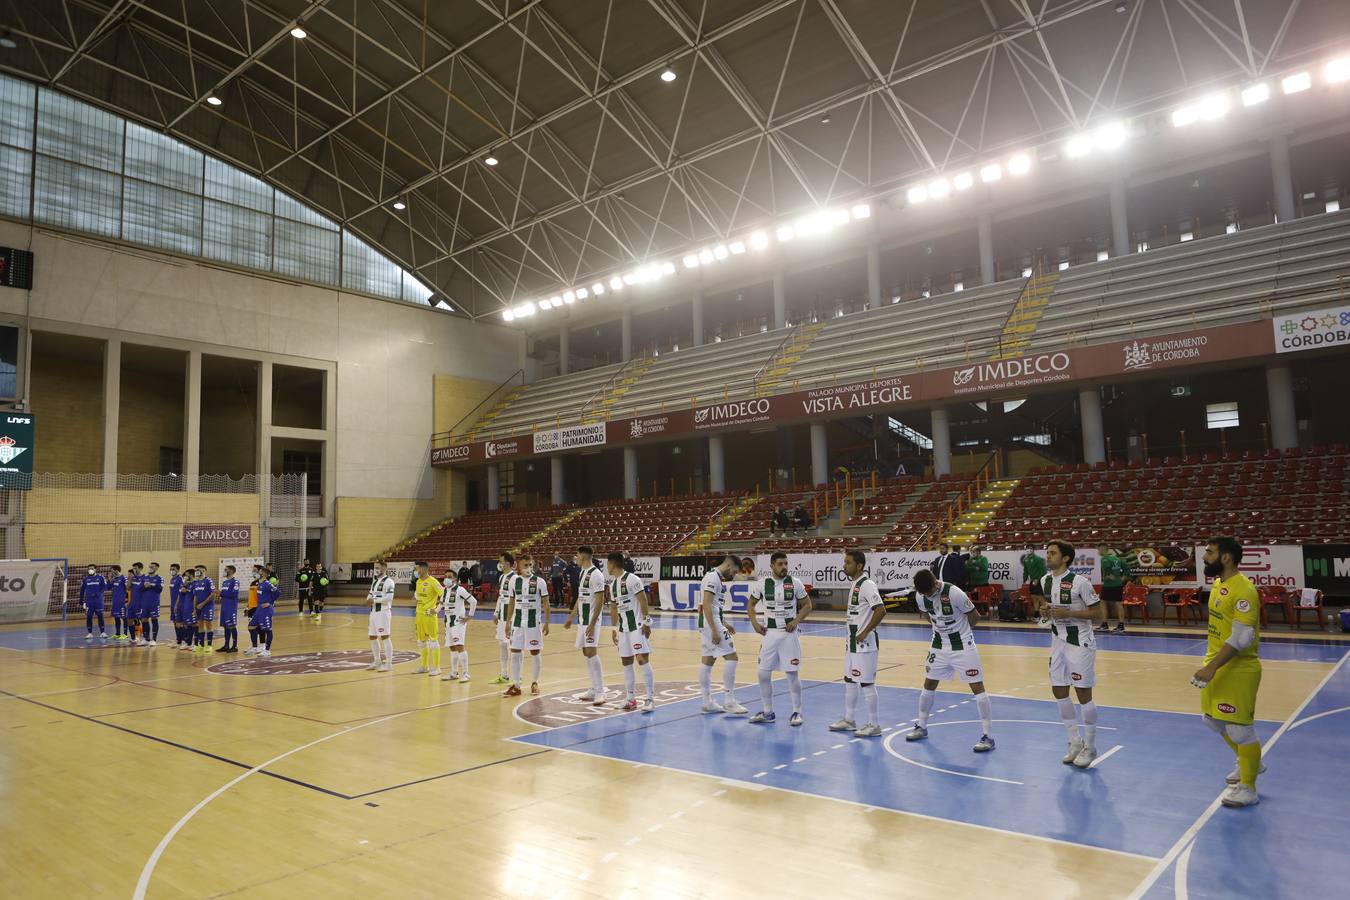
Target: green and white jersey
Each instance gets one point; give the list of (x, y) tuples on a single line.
[(504, 593), (626, 589), (947, 609), (531, 595), (777, 600), (712, 584), (459, 605), (590, 595), (863, 597), (1074, 592)]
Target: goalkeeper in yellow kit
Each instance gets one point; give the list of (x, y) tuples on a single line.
[(427, 593), (1231, 675)]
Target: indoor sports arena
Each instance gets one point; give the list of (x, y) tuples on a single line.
[(413, 410)]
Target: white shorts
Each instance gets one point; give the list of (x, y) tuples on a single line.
[(454, 634), (632, 643), (860, 668), (726, 648), (501, 631), (954, 665), (526, 638), (780, 651), (1072, 666), (380, 623), (582, 641)]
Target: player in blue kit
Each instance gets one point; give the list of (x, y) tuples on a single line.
[(180, 633), (202, 596), (229, 611), (152, 587), (137, 582), (118, 588), (260, 623), (91, 595)]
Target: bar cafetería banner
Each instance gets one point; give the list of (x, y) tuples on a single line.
[(981, 379)]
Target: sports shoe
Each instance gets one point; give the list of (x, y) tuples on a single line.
[(318, 618), (795, 719), (984, 744), (762, 718), (209, 648), (1102, 627), (421, 670), (733, 708), (500, 679), (917, 733), (434, 672), (870, 730), (89, 636), (1085, 757), (512, 691), (152, 643), (373, 667), (629, 705), (385, 667), (534, 687), (649, 705), (1120, 628), (103, 635), (265, 653), (451, 677), (588, 694), (712, 706), (251, 651), (1234, 776), (196, 648), (1075, 748), (1240, 795), (464, 679), (843, 725)]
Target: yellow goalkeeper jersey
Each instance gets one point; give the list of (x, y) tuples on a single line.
[(1233, 600)]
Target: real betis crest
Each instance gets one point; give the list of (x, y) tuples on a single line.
[(8, 449)]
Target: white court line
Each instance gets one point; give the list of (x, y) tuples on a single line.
[(913, 762), (608, 858), (1105, 756), (1330, 712), (780, 766), (1185, 840), (759, 774)]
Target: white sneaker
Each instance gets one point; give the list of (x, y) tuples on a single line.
[(384, 667), (89, 636), (1234, 776), (373, 667), (587, 694), (420, 670), (870, 730), (434, 672), (712, 706), (464, 679), (265, 653), (1085, 756), (844, 725), (152, 643), (648, 705), (733, 708), (1075, 748), (103, 635), (251, 651), (1240, 795)]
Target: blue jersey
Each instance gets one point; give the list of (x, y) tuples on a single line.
[(176, 587), (152, 586), (202, 589), (137, 588), (229, 591), (267, 595), (119, 588), (92, 588)]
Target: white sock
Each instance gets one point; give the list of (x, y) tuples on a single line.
[(795, 689), (705, 681), (649, 677), (388, 651), (597, 677), (986, 708), (535, 660), (515, 669), (869, 693), (1090, 723), (850, 700), (464, 662), (503, 651), (375, 652), (729, 680), (1069, 718), (926, 701), (766, 689), (629, 680)]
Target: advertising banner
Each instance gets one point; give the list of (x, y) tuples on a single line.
[(1267, 565), (680, 595), (894, 572), (16, 451), (683, 568), (572, 437), (1005, 568), (243, 570), (1163, 564), (645, 567), (217, 536), (1326, 567), (25, 588), (1312, 330)]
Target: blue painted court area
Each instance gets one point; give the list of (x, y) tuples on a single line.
[(1139, 800)]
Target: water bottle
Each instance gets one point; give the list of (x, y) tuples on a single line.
[(1331, 623)]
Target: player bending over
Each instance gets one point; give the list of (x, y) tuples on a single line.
[(715, 636), (1070, 608), (865, 612), (527, 623), (586, 611), (953, 654), (786, 605), (632, 631), (460, 605)]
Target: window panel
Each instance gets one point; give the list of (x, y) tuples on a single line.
[(77, 132), (414, 291), (239, 236), (296, 211), (77, 197), (303, 251), (16, 175), (16, 125), (365, 269), (162, 217), (160, 159), (225, 182)]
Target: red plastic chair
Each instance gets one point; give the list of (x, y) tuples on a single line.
[(1298, 609), (1183, 600), (1136, 597), (1273, 597)]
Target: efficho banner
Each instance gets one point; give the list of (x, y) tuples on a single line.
[(1266, 565), (26, 587)]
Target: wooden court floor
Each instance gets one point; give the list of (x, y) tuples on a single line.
[(128, 772)]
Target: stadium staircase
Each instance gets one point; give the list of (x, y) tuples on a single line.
[(477, 535), (1026, 314), (496, 410), (413, 539), (719, 523), (793, 349), (597, 410), (548, 529), (972, 523)]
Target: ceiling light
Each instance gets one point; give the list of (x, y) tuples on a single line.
[(525, 309), (786, 233), (737, 248), (917, 194), (1213, 106), (7, 40), (299, 33), (825, 119), (667, 268), (555, 302), (582, 294), (1110, 136), (838, 217), (629, 278), (861, 211), (1184, 115), (615, 283), (958, 287), (1103, 256), (1336, 71), (705, 256), (400, 205), (759, 240), (1121, 6), (568, 297), (1256, 93), (991, 172), (508, 315), (490, 161), (939, 188), (720, 251), (544, 306), (963, 181), (1299, 81), (598, 288), (1078, 145), (668, 76), (1019, 164), (214, 100), (691, 261)]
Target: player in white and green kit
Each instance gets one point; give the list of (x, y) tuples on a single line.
[(953, 654), (716, 638), (632, 631), (586, 611), (865, 612), (786, 605), (459, 606), (527, 623), (506, 563)]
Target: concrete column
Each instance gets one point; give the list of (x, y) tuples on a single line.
[(1282, 178), (779, 300), (874, 276), (630, 473), (698, 317), (1120, 221), (942, 442), (494, 486), (559, 489), (984, 227), (820, 454), (1280, 395), (112, 402), (627, 339), (264, 435), (192, 421), (1090, 410), (717, 465), (564, 350)]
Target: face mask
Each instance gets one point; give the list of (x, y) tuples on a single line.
[(1213, 570), (93, 571)]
